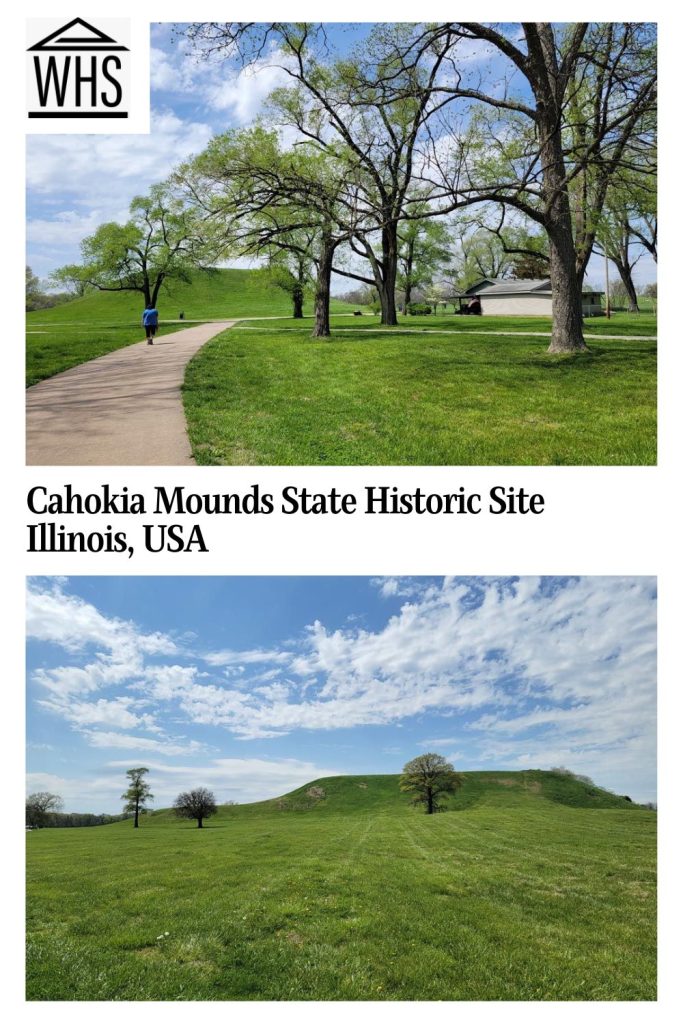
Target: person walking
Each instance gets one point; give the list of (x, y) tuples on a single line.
[(150, 321)]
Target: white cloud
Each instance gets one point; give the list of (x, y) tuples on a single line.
[(527, 671), (118, 713), (144, 744)]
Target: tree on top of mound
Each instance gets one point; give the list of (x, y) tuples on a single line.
[(160, 242), (429, 777), (197, 804)]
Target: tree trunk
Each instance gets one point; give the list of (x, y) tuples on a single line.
[(627, 281), (199, 823), (387, 289), (157, 286), (567, 334), (409, 278), (321, 328), (137, 812), (430, 801), (298, 303)]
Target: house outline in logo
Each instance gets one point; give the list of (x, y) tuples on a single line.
[(87, 39), (98, 41)]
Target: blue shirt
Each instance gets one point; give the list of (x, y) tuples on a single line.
[(150, 317)]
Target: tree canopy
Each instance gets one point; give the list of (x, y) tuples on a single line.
[(138, 794), (197, 804), (39, 806), (429, 777)]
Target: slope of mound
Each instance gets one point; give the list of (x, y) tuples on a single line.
[(358, 792), (349, 794), (210, 295)]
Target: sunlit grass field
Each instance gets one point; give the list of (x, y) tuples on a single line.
[(440, 390), (531, 886)]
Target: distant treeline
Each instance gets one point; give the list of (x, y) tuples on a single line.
[(57, 819)]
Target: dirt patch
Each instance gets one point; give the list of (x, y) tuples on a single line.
[(294, 938), (149, 953), (533, 787), (506, 782), (362, 785), (316, 793)]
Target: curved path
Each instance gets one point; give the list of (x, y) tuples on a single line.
[(121, 409)]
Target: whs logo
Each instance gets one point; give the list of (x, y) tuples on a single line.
[(80, 71)]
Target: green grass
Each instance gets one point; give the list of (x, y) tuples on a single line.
[(532, 886), (101, 322), (56, 349), (434, 391)]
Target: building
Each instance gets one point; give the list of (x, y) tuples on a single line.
[(525, 298)]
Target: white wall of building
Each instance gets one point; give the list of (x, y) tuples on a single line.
[(516, 305)]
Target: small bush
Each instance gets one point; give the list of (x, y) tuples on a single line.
[(419, 309)]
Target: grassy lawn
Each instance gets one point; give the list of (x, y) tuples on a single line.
[(437, 391), (100, 322), (510, 895), (54, 348)]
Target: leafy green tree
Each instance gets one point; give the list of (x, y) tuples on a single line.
[(423, 251), (368, 113), (70, 278), (589, 100), (39, 806), (197, 804), (261, 199), (427, 778), (161, 241), (138, 794)]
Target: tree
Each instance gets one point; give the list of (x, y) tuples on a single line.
[(138, 794), (197, 804), (588, 97), (34, 293), (69, 277), (428, 777), (39, 806), (258, 198), (422, 251), (366, 112), (161, 241)]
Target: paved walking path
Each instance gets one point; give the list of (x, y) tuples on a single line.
[(121, 409)]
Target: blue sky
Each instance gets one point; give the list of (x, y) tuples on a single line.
[(76, 182), (255, 685)]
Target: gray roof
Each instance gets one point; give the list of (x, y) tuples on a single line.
[(517, 287), (484, 282)]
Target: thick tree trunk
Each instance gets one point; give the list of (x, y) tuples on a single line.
[(136, 823), (321, 328), (406, 299), (199, 823), (298, 303), (430, 802), (565, 281), (567, 334), (387, 284)]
